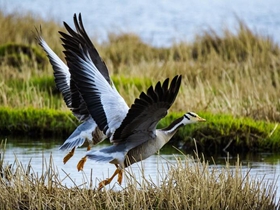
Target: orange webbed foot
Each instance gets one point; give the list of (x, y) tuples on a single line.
[(104, 183), (81, 163), (69, 155), (120, 175), (108, 181)]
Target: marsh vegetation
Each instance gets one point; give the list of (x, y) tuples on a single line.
[(232, 80), (190, 183)]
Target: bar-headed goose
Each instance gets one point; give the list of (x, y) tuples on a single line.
[(132, 131)]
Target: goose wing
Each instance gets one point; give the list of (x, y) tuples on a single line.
[(69, 91), (145, 113), (104, 103), (87, 130), (73, 99), (79, 37)]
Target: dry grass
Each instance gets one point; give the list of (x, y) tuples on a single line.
[(188, 184), (20, 28)]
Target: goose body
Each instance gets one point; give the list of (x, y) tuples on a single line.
[(131, 130)]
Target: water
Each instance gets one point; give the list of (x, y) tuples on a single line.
[(26, 150), (262, 165), (159, 22)]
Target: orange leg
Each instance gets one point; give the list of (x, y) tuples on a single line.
[(81, 163), (69, 155), (105, 182), (120, 175)]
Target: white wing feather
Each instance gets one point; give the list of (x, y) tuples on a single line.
[(60, 64)]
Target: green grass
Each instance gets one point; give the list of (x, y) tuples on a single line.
[(218, 133), (36, 122)]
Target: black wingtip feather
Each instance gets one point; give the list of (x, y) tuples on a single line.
[(164, 95), (146, 98), (80, 37)]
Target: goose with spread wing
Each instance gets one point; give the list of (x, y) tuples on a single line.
[(132, 131), (88, 129)]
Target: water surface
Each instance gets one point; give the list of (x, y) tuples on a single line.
[(159, 22)]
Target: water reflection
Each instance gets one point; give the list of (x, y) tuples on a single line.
[(261, 165)]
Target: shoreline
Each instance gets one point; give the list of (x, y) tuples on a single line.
[(220, 132)]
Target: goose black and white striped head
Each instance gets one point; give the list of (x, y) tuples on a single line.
[(191, 117)]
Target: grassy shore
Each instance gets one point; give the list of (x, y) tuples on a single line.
[(221, 132)]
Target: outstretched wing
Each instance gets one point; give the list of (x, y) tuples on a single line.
[(104, 103), (147, 110), (69, 91), (73, 99), (80, 37)]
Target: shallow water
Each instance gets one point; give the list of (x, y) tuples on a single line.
[(261, 165), (158, 22)]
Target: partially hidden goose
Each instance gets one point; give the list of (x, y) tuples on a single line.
[(132, 131), (88, 129)]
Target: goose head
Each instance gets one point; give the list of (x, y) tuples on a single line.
[(191, 117)]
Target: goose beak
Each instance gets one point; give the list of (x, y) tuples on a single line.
[(200, 119)]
